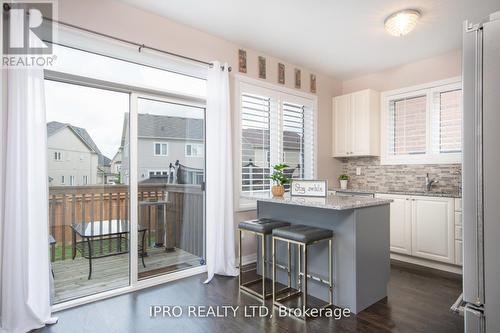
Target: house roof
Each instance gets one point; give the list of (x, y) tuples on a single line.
[(167, 127), (55, 126), (255, 138)]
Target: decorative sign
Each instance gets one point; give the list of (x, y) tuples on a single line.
[(242, 61), (313, 83), (281, 73), (309, 188), (262, 67), (297, 78)]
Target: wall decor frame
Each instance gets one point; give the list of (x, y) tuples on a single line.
[(298, 78), (281, 73), (262, 67), (313, 83), (242, 61)]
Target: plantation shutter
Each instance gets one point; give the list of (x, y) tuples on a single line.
[(255, 142), (406, 130)]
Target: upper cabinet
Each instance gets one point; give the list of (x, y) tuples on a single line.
[(356, 124)]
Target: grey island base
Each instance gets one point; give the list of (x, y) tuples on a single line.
[(361, 263)]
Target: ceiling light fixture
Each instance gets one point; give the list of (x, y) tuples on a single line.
[(402, 22)]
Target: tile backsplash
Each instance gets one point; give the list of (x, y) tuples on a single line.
[(409, 178)]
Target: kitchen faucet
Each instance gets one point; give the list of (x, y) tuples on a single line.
[(429, 182)]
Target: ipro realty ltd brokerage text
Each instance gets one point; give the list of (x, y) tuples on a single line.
[(247, 311)]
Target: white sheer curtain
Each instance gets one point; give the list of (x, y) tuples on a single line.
[(219, 176), (25, 275)]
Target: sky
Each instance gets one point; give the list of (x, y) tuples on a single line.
[(101, 112)]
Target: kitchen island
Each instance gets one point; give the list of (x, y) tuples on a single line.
[(361, 263)]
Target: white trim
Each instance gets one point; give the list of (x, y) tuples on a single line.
[(132, 175), (198, 145), (427, 263), (262, 87), (239, 78), (133, 162), (91, 42), (428, 90), (247, 259), (151, 282), (160, 143)]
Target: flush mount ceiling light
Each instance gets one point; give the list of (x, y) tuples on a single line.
[(402, 22)]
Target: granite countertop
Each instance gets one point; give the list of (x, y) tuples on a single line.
[(419, 193), (330, 202)]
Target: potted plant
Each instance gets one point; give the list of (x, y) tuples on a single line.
[(279, 179), (343, 178)]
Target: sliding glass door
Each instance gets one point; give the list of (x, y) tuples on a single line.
[(170, 179)]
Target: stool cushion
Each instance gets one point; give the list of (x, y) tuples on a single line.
[(264, 226), (303, 233)]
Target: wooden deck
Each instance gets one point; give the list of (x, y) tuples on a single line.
[(70, 276)]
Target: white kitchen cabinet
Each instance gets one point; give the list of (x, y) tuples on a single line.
[(356, 124), (400, 225), (433, 228), (458, 232), (342, 105), (424, 227)]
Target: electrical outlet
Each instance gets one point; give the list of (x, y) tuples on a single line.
[(358, 171)]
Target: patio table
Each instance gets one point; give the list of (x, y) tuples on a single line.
[(110, 230)]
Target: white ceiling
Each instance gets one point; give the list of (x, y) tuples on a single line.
[(343, 38)]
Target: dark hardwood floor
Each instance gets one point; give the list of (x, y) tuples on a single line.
[(419, 300)]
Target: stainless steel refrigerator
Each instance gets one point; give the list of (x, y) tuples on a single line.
[(481, 175)]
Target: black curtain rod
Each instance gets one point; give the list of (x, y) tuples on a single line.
[(6, 7)]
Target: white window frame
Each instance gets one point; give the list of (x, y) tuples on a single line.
[(85, 180), (72, 181), (249, 85), (161, 171), (160, 143), (427, 89), (198, 145)]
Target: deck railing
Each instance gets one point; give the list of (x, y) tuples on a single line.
[(101, 203)]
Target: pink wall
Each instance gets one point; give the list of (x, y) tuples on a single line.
[(121, 20), (427, 70)]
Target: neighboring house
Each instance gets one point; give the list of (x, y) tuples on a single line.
[(162, 141), (255, 158), (73, 157)]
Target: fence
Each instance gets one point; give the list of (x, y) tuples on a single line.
[(102, 203)]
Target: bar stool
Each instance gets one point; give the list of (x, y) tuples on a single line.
[(261, 228), (303, 236)]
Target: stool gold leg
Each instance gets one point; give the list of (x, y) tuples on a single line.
[(263, 258), (289, 268), (273, 254), (299, 268), (240, 264), (330, 272), (304, 296)]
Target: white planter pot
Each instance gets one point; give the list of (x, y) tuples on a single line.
[(343, 184)]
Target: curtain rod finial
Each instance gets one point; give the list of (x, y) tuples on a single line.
[(6, 6)]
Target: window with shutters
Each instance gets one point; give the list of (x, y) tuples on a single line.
[(423, 125), (275, 126)]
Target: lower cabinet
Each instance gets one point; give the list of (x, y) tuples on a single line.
[(400, 223), (423, 227)]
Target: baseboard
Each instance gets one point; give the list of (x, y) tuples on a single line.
[(427, 263), (248, 259)]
